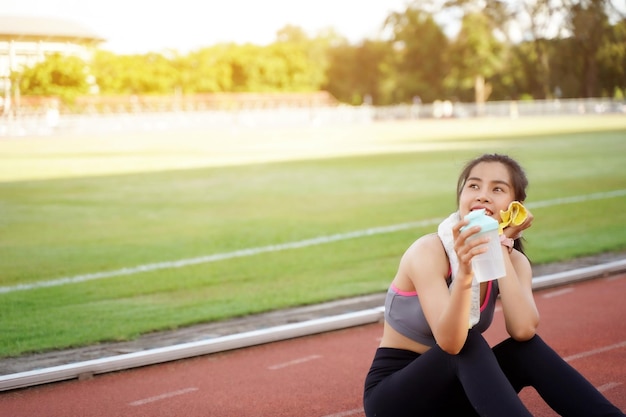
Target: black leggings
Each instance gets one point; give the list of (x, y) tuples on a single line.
[(478, 381)]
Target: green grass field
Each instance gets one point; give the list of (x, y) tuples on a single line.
[(240, 209)]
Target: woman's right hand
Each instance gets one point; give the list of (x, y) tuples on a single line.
[(465, 247)]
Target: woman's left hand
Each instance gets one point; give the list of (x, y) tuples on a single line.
[(514, 231)]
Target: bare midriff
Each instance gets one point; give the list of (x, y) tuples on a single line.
[(393, 339)]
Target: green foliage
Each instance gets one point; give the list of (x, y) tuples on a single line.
[(134, 74), (356, 73), (282, 66), (423, 55), (475, 55), (59, 76), (612, 61), (417, 58), (207, 70)]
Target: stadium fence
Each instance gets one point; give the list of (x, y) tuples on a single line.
[(47, 120)]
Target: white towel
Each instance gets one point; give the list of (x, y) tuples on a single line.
[(445, 234)]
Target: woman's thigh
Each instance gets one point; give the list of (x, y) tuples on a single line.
[(427, 386)]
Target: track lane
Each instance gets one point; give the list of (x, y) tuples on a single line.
[(322, 375)]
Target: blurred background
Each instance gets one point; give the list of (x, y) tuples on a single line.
[(424, 58), (171, 164)]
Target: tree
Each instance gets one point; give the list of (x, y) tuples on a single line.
[(291, 34), (150, 73), (208, 70), (314, 51), (65, 77), (476, 55), (359, 72), (422, 49), (612, 61), (590, 28)]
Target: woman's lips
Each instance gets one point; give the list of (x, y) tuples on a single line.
[(487, 211)]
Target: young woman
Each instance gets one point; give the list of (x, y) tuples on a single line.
[(433, 359)]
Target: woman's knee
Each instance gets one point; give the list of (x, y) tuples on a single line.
[(521, 360), (475, 344), (531, 347)]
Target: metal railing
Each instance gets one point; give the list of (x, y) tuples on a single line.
[(255, 337), (49, 122)]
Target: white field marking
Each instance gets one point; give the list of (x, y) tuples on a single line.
[(557, 293), (347, 413), (293, 362), (595, 351), (576, 199), (608, 386), (162, 396), (219, 256), (278, 247)]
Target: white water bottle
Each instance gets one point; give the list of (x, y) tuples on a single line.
[(489, 265)]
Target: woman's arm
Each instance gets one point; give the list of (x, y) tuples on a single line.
[(516, 293), (447, 311), (518, 304)]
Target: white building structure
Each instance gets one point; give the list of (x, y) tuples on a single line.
[(25, 41)]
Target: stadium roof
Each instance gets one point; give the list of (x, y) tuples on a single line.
[(38, 28)]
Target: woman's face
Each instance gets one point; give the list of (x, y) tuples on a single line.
[(488, 187)]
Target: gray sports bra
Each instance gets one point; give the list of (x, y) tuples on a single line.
[(403, 312)]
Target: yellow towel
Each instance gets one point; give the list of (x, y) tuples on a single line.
[(516, 214)]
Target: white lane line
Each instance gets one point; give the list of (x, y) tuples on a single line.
[(557, 293), (347, 413), (595, 351), (181, 263), (293, 362), (162, 396), (608, 386), (615, 277)]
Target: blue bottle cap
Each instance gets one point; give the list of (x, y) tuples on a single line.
[(479, 218)]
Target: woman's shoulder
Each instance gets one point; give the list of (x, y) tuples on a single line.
[(423, 260), (427, 248), (427, 243)]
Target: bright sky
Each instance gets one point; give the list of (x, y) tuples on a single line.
[(142, 26)]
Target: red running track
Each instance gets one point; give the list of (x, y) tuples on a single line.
[(322, 375)]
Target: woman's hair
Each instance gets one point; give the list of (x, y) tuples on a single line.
[(519, 182)]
